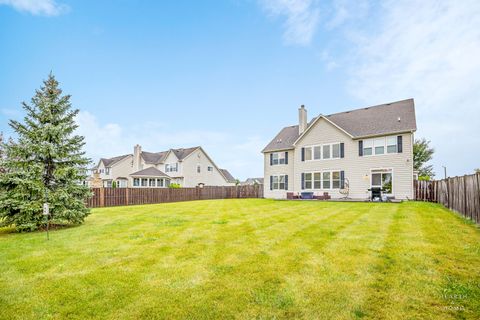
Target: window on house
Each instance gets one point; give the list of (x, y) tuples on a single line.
[(136, 182), (317, 152), (336, 150), (278, 158), (326, 180), (368, 147), (392, 144), (171, 167), (144, 182), (382, 179), (122, 183), (275, 183), (151, 182), (317, 180), (278, 182), (336, 180), (281, 182), (159, 182), (107, 171), (379, 144), (199, 169), (210, 169), (308, 181), (326, 152), (308, 153)]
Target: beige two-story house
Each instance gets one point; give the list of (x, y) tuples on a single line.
[(349, 154), (188, 167)]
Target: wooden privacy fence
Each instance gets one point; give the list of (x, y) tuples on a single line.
[(461, 194), (109, 197)]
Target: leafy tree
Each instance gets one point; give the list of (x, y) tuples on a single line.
[(114, 184), (174, 186), (2, 154), (45, 162), (477, 170), (422, 153), (237, 182)]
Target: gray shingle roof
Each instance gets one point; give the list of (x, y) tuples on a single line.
[(182, 153), (108, 162), (376, 120), (158, 157), (228, 176), (150, 172), (153, 157)]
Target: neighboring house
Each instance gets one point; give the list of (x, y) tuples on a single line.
[(361, 149), (252, 181), (189, 167)]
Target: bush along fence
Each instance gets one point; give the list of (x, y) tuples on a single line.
[(461, 194), (109, 197)]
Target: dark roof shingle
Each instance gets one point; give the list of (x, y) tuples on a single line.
[(108, 162), (376, 120), (150, 172), (228, 176)]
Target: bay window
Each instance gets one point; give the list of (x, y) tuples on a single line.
[(136, 182), (144, 182)]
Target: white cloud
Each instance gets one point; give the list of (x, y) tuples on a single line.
[(301, 18), (428, 50), (37, 7), (237, 153)]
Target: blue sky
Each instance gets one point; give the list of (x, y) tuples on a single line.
[(228, 75)]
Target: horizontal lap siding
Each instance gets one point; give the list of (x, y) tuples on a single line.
[(108, 197), (357, 169)]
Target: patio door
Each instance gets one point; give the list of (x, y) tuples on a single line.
[(383, 178)]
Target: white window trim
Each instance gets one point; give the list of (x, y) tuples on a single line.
[(278, 177), (393, 179), (280, 156), (321, 180), (321, 151), (385, 146)]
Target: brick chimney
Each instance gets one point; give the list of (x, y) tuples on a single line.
[(137, 151), (302, 119)]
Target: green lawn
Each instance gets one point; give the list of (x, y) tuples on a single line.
[(247, 259)]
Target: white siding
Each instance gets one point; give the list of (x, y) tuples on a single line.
[(357, 169)]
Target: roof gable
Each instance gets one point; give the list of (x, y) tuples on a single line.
[(108, 162), (150, 172), (384, 119)]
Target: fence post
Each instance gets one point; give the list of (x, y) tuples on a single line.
[(102, 197), (465, 207), (127, 193)]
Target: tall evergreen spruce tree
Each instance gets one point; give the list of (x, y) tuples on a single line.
[(46, 161)]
